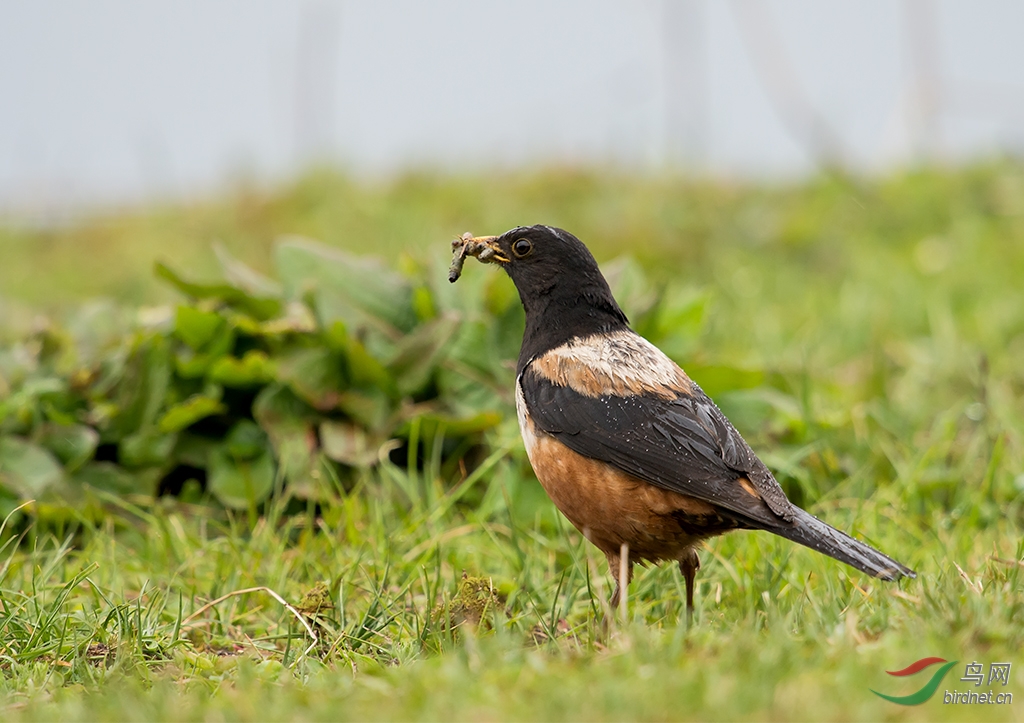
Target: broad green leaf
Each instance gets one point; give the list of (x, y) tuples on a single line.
[(468, 392), (41, 386), (350, 288), (185, 414), (489, 344), (142, 388), (418, 354), (112, 478), (240, 484), (190, 365), (349, 444), (245, 440), (195, 327), (253, 369), (146, 449), (315, 374), (471, 345), (193, 364), (62, 411), (73, 444), (97, 328), (277, 407), (297, 319), (194, 450), (335, 335), (26, 469), (371, 408), (377, 336), (15, 419), (289, 423), (193, 289), (505, 339), (260, 307), (244, 277), (363, 369)]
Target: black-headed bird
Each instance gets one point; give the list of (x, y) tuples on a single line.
[(633, 453)]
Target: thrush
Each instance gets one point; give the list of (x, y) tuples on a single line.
[(629, 448)]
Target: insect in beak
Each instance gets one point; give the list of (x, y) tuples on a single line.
[(484, 248)]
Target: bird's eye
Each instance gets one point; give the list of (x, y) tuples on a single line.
[(522, 247)]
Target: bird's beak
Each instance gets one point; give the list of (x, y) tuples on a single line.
[(484, 248), (487, 250)]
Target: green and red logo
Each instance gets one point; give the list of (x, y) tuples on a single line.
[(926, 691)]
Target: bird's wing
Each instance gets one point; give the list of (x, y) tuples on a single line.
[(674, 438)]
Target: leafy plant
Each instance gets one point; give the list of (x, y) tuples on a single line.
[(303, 379)]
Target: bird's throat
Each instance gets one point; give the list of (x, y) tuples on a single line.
[(553, 319)]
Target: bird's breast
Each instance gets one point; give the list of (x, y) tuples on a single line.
[(611, 507)]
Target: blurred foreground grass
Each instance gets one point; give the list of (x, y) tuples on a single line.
[(864, 335)]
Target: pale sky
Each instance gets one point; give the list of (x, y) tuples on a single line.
[(112, 100)]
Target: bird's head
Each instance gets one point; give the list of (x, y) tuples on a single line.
[(539, 259), (559, 282)]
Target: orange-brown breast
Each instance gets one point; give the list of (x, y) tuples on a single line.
[(611, 507)]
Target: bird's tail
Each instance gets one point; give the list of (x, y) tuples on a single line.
[(808, 530)]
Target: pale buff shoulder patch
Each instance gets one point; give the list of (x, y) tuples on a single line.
[(621, 364)]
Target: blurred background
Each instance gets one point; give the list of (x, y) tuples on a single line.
[(113, 102)]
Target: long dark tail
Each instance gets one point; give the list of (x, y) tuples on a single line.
[(810, 531)]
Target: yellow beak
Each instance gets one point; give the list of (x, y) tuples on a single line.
[(485, 249)]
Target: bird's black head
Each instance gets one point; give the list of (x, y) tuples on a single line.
[(561, 287)]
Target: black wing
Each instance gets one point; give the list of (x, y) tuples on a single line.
[(683, 444)]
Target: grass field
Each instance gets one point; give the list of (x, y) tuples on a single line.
[(865, 335)]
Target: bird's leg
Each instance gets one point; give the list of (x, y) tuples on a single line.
[(688, 565), (622, 567)]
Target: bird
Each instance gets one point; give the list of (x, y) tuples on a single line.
[(629, 448)]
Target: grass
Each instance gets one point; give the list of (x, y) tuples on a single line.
[(865, 336)]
